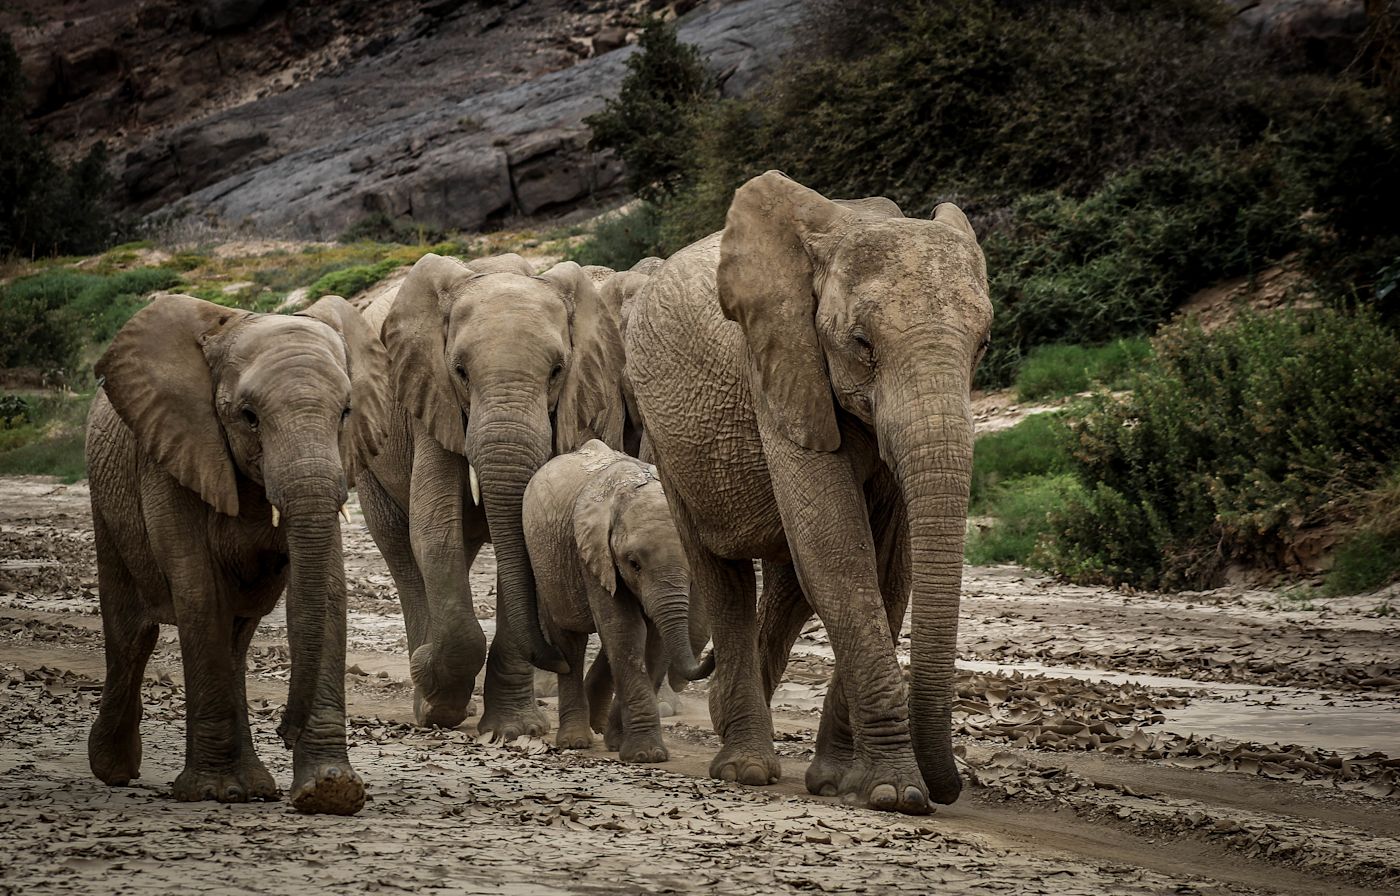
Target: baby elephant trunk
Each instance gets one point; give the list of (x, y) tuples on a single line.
[(669, 608)]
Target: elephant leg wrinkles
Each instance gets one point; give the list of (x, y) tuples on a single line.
[(574, 730)]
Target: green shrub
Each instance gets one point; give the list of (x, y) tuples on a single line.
[(649, 123), (1022, 510), (14, 411), (1055, 371), (50, 443), (1369, 556), (621, 240), (1122, 260), (1034, 447), (1230, 447), (347, 282)]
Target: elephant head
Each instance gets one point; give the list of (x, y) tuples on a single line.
[(852, 306), (507, 369), (623, 528), (215, 396)]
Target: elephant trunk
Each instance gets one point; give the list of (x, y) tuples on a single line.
[(669, 607), (309, 507), (505, 451), (927, 442)]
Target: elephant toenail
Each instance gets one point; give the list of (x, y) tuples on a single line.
[(883, 796), (914, 797), (332, 773)]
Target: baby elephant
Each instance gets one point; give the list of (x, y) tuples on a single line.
[(607, 559), (219, 450)]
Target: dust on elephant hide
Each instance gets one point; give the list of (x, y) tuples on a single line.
[(220, 448), (493, 370), (804, 376), (607, 559)]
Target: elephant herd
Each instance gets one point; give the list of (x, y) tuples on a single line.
[(800, 381)]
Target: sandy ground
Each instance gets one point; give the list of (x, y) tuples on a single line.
[(1227, 742)]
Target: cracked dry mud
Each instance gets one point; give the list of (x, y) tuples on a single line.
[(1229, 742)]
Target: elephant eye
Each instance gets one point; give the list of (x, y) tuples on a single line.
[(250, 418), (636, 567), (345, 414), (461, 373), (863, 344), (558, 369)]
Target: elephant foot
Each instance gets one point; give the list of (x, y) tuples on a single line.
[(329, 789), (114, 765), (886, 788), (825, 774), (509, 724), (643, 748), (236, 785), (752, 765), (668, 702), (574, 737), (440, 714)]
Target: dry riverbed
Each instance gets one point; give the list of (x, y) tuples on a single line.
[(1227, 742)]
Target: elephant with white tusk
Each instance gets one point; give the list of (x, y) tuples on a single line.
[(219, 448)]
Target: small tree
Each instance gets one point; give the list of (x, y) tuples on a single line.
[(44, 207), (650, 123)]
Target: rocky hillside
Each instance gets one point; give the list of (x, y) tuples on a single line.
[(304, 118)]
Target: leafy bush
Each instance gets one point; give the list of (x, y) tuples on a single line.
[(48, 316), (1232, 447), (1022, 510), (621, 240), (1120, 261), (1054, 371), (46, 208), (349, 281), (51, 442), (1369, 556), (14, 411), (1034, 447), (649, 124)]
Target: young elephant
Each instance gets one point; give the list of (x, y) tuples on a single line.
[(607, 559), (219, 454)]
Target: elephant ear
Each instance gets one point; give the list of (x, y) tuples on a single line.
[(157, 377), (949, 214), (369, 375), (590, 402), (593, 531), (765, 279), (415, 335)]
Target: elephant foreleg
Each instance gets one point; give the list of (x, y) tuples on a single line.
[(261, 785), (782, 612)]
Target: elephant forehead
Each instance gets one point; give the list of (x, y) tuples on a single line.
[(506, 296), (904, 267), (276, 339)]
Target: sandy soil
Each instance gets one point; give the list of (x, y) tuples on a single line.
[(1228, 742)]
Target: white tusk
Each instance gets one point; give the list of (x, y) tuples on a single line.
[(344, 511), (476, 485), (276, 516)]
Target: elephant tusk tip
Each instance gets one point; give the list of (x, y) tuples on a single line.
[(475, 484), (276, 516), (345, 512)]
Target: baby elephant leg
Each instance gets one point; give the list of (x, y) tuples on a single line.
[(623, 630), (574, 730)]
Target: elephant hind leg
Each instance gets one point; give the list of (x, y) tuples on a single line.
[(599, 687), (114, 745), (782, 612), (575, 733)]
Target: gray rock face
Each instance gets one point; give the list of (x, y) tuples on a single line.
[(1317, 34), (516, 151)]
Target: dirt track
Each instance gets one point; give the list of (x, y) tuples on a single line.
[(1209, 743)]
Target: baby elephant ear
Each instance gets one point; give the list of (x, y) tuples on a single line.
[(592, 531), (768, 257), (369, 378), (157, 377)]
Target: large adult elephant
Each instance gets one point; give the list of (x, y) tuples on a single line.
[(804, 378), (219, 448), (494, 370)]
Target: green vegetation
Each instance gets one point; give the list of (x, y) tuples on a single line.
[(1058, 371), (347, 282), (1369, 557), (49, 441), (1233, 447), (620, 240), (46, 208), (1034, 447), (1022, 511)]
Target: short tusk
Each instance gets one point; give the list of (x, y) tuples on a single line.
[(476, 485), (345, 512), (276, 516)]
